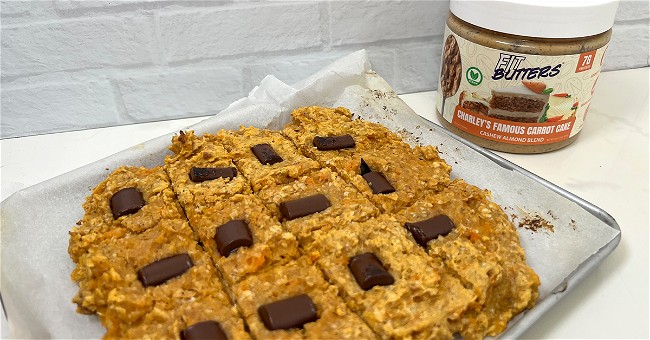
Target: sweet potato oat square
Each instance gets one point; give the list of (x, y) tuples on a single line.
[(334, 319), (99, 223), (291, 164), (482, 250), (271, 244), (411, 175), (345, 203), (191, 151), (312, 122)]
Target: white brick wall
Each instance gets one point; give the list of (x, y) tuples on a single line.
[(356, 22), (76, 64), (177, 94), (29, 49), (35, 109), (239, 30)]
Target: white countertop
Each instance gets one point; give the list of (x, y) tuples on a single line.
[(607, 166)]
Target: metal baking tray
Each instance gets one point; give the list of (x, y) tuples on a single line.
[(36, 220)]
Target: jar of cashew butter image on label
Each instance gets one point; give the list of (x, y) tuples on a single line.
[(518, 75)]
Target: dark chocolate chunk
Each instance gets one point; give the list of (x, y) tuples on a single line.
[(265, 154), (427, 230), (304, 206), (369, 271), (364, 168), (162, 270), (206, 174), (292, 312), (333, 142), (233, 235), (126, 201), (204, 330), (378, 183)]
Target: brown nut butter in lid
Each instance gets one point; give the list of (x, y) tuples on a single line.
[(519, 77)]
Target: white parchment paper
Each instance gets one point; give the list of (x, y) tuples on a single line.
[(35, 283)]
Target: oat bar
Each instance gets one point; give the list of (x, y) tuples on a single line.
[(311, 122), (294, 280), (192, 152), (483, 251), (100, 223), (287, 164), (271, 245), (345, 203)]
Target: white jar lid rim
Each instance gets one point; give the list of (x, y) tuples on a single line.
[(541, 19)]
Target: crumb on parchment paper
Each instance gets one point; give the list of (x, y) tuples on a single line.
[(533, 221), (573, 224)]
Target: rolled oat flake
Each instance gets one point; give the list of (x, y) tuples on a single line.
[(518, 75)]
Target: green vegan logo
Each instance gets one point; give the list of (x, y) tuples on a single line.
[(474, 76)]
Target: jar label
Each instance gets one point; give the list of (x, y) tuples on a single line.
[(515, 98)]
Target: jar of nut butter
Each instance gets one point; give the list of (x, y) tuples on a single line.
[(518, 75)]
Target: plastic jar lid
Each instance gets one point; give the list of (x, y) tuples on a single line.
[(541, 19)]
